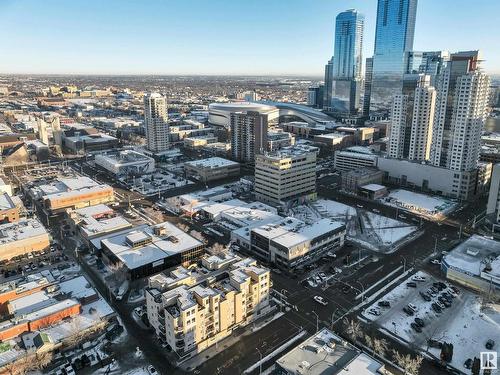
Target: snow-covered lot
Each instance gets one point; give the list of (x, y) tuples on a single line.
[(369, 230), (463, 324), (427, 205)]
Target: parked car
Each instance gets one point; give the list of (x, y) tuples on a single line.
[(413, 307), (425, 296), (420, 322), (374, 311), (411, 284), (408, 311), (152, 370), (436, 307), (468, 363), (320, 300), (490, 344), (346, 289), (418, 278), (435, 261), (384, 304), (435, 344), (416, 327)]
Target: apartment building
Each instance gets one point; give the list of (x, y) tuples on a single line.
[(286, 175), (354, 158), (193, 308)]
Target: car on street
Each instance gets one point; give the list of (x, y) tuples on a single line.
[(346, 289), (376, 211), (359, 205), (320, 300), (416, 327), (435, 261), (152, 370), (312, 284)]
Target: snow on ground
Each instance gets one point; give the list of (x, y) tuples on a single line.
[(386, 229), (462, 324), (420, 203)]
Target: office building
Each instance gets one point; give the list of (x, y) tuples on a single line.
[(394, 34), (315, 96), (212, 169), (352, 180), (155, 122), (461, 110), (353, 158), (291, 243), (427, 62), (191, 309), (347, 66), (328, 89), (248, 135), (145, 250), (286, 175), (367, 86)]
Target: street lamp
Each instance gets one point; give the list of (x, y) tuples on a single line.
[(317, 320), (260, 363)]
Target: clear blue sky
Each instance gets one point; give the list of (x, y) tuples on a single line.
[(216, 36)]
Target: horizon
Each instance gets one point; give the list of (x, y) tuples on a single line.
[(204, 42)]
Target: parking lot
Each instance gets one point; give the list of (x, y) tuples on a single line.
[(409, 313)]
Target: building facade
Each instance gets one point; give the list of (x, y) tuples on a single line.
[(286, 175), (155, 122), (248, 135)]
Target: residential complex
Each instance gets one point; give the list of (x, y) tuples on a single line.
[(248, 135), (156, 125), (193, 308)]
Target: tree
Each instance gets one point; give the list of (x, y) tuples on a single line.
[(380, 346), (409, 364), (218, 248), (42, 360), (353, 329)]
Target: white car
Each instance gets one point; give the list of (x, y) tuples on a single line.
[(312, 284), (418, 278), (435, 261), (359, 206), (376, 211), (374, 311), (320, 300), (152, 370)]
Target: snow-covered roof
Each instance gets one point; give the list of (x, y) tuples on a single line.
[(212, 163)]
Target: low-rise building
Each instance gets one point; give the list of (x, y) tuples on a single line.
[(353, 179), (9, 212), (80, 144), (334, 140), (475, 263), (291, 243), (285, 176), (211, 169), (354, 158), (55, 197), (279, 139), (193, 308), (146, 249), (23, 237), (326, 353), (96, 221), (125, 163), (373, 191), (199, 141)]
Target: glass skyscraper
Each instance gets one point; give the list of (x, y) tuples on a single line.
[(347, 66), (393, 37)]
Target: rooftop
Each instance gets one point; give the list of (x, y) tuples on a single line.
[(25, 228), (6, 202), (325, 353), (99, 219), (212, 163)]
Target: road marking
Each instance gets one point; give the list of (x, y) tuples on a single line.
[(378, 282)]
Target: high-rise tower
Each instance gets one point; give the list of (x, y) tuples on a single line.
[(155, 121)]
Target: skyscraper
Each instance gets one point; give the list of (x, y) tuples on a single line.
[(368, 86), (347, 66), (155, 121), (422, 120), (461, 110), (328, 89), (248, 135), (394, 33)]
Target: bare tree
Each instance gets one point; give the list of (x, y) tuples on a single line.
[(218, 248), (353, 329), (369, 342), (380, 346), (407, 363), (42, 360)]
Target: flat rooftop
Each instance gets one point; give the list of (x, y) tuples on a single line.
[(212, 163), (99, 219), (6, 202), (125, 157), (325, 353), (156, 246), (24, 229)]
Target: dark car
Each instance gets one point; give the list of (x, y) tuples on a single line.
[(384, 304), (419, 322), (408, 311), (425, 296), (436, 308), (411, 284), (416, 327), (468, 364), (346, 289), (490, 344), (435, 344)]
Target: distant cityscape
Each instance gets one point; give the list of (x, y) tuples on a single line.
[(345, 224)]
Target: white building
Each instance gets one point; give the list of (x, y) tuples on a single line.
[(286, 175), (422, 120), (354, 158), (211, 169), (126, 163), (399, 121), (155, 122), (461, 110)]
